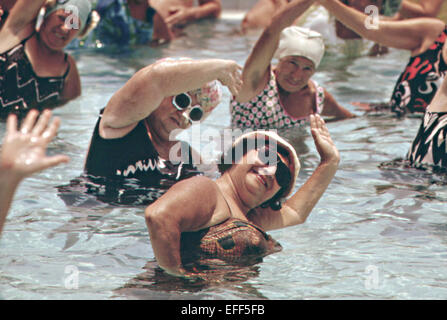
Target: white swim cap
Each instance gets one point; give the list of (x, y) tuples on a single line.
[(298, 41)]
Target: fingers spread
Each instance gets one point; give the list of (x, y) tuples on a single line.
[(29, 122), (42, 123)]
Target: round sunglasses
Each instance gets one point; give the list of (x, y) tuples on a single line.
[(182, 102)]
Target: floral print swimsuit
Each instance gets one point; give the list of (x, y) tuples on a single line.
[(265, 110)]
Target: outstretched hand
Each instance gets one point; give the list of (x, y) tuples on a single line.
[(323, 141), (24, 151)]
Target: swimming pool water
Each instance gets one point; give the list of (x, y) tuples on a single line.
[(377, 233)]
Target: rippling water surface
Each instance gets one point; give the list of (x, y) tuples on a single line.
[(379, 232)]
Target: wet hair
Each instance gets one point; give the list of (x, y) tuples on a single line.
[(275, 203)]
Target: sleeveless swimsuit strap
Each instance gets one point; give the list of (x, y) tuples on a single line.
[(67, 70)]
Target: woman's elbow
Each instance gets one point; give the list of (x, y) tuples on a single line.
[(154, 216)]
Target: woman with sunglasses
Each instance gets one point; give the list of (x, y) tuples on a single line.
[(423, 37), (283, 96), (229, 220), (135, 136), (35, 72)]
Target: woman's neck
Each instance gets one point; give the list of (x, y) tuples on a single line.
[(238, 208), (161, 145)]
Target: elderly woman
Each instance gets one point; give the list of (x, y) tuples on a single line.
[(284, 95), (231, 216), (134, 155), (35, 72), (424, 38)]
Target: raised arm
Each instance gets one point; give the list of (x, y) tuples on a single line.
[(179, 210), (412, 34), (144, 92), (256, 69), (23, 153), (23, 13), (298, 207)]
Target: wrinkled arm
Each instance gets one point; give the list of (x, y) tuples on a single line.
[(256, 69), (298, 207), (179, 210), (23, 153), (23, 12), (145, 91)]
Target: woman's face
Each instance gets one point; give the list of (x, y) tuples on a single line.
[(293, 73), (167, 118), (255, 180), (59, 29)]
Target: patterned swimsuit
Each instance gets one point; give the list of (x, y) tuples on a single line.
[(420, 80), (265, 110), (233, 241), (21, 89), (429, 147)]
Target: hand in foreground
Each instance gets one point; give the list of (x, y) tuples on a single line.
[(323, 141), (24, 151)]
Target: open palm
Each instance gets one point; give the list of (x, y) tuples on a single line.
[(24, 151)]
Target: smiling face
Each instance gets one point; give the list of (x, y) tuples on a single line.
[(56, 32), (293, 73), (255, 181)]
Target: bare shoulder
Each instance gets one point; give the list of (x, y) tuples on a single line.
[(198, 185)]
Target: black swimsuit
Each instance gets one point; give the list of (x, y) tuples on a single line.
[(21, 89), (127, 170)]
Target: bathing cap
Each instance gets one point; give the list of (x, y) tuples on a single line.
[(294, 162), (298, 41), (80, 8), (208, 96)]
